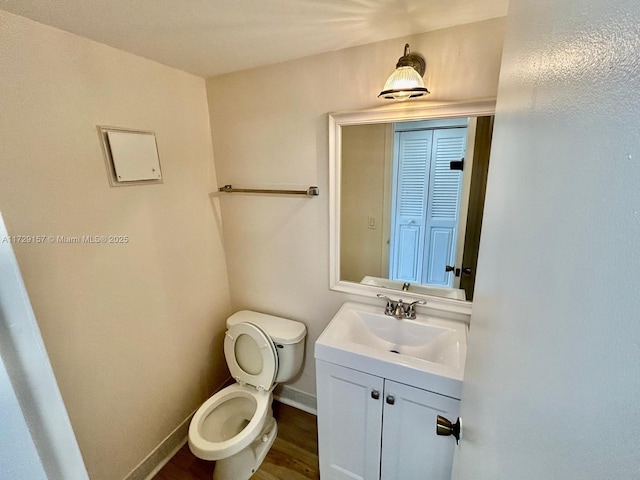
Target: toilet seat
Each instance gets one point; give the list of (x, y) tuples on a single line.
[(215, 450), (251, 355)]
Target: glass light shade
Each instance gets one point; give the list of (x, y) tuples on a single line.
[(403, 84)]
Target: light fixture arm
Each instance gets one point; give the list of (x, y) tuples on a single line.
[(414, 60)]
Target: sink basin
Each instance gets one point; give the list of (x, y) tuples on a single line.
[(415, 338), (428, 352)]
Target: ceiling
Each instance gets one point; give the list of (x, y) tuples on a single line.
[(211, 37)]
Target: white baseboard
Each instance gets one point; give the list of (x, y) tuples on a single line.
[(165, 460), (161, 455), (296, 398)]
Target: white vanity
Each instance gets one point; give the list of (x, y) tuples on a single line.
[(381, 383)]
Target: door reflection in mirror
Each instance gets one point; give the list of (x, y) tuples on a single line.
[(408, 215)]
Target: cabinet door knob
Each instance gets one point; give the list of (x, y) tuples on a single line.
[(391, 399), (375, 394), (445, 428)]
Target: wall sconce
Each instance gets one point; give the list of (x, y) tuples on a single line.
[(406, 82)]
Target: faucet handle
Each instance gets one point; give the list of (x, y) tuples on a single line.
[(410, 312), (389, 308)]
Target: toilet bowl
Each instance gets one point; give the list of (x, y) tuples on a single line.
[(235, 427), (228, 422)]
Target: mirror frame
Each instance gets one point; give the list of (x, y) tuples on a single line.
[(397, 112)]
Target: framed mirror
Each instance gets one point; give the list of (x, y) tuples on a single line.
[(407, 187)]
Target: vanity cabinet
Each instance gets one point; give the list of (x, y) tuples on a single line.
[(372, 428)]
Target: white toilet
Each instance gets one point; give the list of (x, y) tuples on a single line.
[(235, 426)]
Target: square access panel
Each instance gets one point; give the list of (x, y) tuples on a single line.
[(131, 156)]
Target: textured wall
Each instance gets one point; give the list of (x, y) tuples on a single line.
[(552, 385), (269, 127), (133, 330)]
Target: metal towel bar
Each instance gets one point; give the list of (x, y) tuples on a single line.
[(311, 191)]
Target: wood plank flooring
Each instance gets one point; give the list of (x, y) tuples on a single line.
[(293, 456)]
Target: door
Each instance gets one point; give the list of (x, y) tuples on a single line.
[(426, 205), (29, 394), (412, 154), (411, 450), (19, 457), (443, 206), (481, 151), (552, 384), (350, 404)]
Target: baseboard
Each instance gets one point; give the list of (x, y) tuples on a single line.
[(161, 455), (296, 398)]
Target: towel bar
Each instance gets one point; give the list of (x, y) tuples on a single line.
[(311, 191)]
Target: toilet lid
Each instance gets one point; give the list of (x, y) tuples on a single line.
[(251, 355)]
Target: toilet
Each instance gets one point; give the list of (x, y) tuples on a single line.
[(236, 427)]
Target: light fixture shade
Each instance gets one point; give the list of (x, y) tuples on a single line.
[(406, 82)]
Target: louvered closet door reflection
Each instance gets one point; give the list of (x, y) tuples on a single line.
[(443, 205), (411, 182)]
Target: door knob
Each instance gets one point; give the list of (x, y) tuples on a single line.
[(445, 428), (449, 268)]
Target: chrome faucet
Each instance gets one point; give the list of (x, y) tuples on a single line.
[(405, 286), (400, 309)]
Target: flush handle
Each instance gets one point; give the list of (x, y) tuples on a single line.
[(445, 428), (391, 399), (375, 394)]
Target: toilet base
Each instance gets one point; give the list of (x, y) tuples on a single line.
[(245, 463)]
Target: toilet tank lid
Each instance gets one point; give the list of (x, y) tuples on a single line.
[(281, 330)]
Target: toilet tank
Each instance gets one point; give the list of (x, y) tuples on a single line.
[(287, 335)]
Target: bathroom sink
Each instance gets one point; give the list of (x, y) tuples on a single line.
[(428, 352), (435, 343)]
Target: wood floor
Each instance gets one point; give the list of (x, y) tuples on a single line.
[(293, 456)]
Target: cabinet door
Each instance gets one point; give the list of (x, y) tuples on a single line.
[(411, 450), (349, 423)]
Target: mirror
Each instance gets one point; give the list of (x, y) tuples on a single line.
[(407, 192)]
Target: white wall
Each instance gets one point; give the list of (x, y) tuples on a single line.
[(18, 455), (134, 331), (269, 127), (37, 440), (552, 382)]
